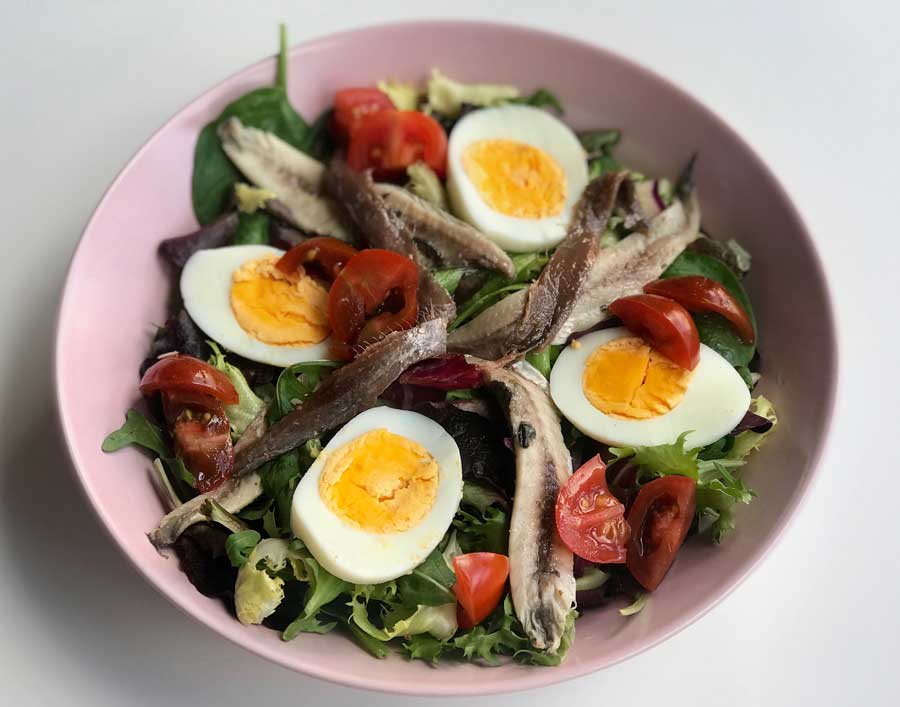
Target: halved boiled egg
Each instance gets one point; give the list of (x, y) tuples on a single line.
[(515, 172), (240, 299), (380, 496), (618, 390)]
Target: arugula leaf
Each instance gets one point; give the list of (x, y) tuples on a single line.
[(542, 98), (296, 383), (715, 331), (136, 430), (238, 546), (449, 278), (266, 108), (663, 459), (528, 267), (323, 588), (429, 584)]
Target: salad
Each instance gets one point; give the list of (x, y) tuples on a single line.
[(441, 374)]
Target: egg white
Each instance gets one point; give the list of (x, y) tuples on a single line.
[(531, 126), (715, 401), (206, 291), (360, 556)]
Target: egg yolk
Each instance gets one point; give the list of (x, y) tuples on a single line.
[(280, 309), (626, 378), (380, 482), (516, 179)]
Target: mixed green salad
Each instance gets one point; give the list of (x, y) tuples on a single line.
[(397, 332)]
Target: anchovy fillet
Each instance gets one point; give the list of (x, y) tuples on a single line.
[(346, 392), (271, 163), (624, 268), (455, 242), (541, 576)]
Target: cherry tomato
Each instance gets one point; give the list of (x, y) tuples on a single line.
[(660, 518), (323, 255), (389, 141), (480, 581), (352, 104), (701, 294), (374, 294), (664, 324), (589, 519), (186, 374), (202, 437)]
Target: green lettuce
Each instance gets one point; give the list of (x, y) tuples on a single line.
[(447, 96), (249, 404)]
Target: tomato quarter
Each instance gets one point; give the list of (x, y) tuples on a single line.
[(664, 324), (389, 141), (374, 294), (480, 581), (202, 437), (701, 294), (351, 105), (660, 519), (186, 374), (322, 255), (589, 519)]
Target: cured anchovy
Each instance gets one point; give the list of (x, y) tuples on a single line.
[(454, 242), (624, 268), (541, 576), (380, 228), (347, 392), (529, 319), (271, 163), (232, 494)]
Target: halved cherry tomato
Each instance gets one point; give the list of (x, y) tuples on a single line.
[(589, 519), (374, 294), (701, 294), (480, 581), (389, 141), (186, 374), (664, 324), (352, 104), (323, 255), (660, 518)]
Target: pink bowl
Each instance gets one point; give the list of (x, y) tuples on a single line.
[(116, 291)]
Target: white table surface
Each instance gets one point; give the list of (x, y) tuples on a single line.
[(813, 86)]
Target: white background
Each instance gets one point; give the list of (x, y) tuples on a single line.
[(814, 87)]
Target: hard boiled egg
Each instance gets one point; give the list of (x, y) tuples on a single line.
[(515, 172), (618, 390), (380, 496), (240, 299)]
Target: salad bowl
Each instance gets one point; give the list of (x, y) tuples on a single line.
[(116, 291)]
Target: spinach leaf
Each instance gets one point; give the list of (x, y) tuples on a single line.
[(714, 330), (599, 142), (238, 546), (253, 229), (136, 430), (429, 584), (264, 108)]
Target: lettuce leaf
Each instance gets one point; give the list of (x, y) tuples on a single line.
[(249, 403)]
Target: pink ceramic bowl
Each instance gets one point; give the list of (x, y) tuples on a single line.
[(116, 292)]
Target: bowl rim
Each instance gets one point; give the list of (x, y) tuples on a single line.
[(535, 677)]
